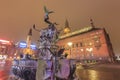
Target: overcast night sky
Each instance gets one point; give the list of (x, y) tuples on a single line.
[(17, 16)]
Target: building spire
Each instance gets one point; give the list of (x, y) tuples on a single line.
[(30, 32), (66, 24), (28, 41), (67, 28), (92, 24)]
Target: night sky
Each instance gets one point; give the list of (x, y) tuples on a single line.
[(17, 16)]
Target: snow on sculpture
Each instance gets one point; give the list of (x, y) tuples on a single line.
[(53, 65)]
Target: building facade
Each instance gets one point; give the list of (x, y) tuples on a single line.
[(87, 44)]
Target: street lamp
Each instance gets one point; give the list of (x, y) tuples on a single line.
[(70, 45)]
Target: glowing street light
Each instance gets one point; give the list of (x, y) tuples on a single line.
[(70, 45)]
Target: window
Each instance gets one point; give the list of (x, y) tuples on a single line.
[(76, 44), (81, 45), (90, 44), (97, 42)]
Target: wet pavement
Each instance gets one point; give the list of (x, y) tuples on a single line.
[(95, 72), (100, 72)]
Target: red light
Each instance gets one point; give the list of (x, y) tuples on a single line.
[(4, 41)]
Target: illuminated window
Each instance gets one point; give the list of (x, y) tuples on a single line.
[(90, 43), (97, 42)]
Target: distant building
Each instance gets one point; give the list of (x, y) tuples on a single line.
[(88, 44), (27, 47), (7, 49), (22, 48)]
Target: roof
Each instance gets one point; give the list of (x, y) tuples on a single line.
[(77, 32)]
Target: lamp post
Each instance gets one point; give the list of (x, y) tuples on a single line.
[(70, 45)]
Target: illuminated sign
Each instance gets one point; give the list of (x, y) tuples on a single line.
[(23, 44), (33, 46)]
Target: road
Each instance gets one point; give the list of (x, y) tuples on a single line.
[(95, 72), (101, 72)]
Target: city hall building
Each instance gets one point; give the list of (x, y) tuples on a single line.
[(87, 44)]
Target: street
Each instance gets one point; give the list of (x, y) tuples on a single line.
[(101, 72), (95, 72)]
